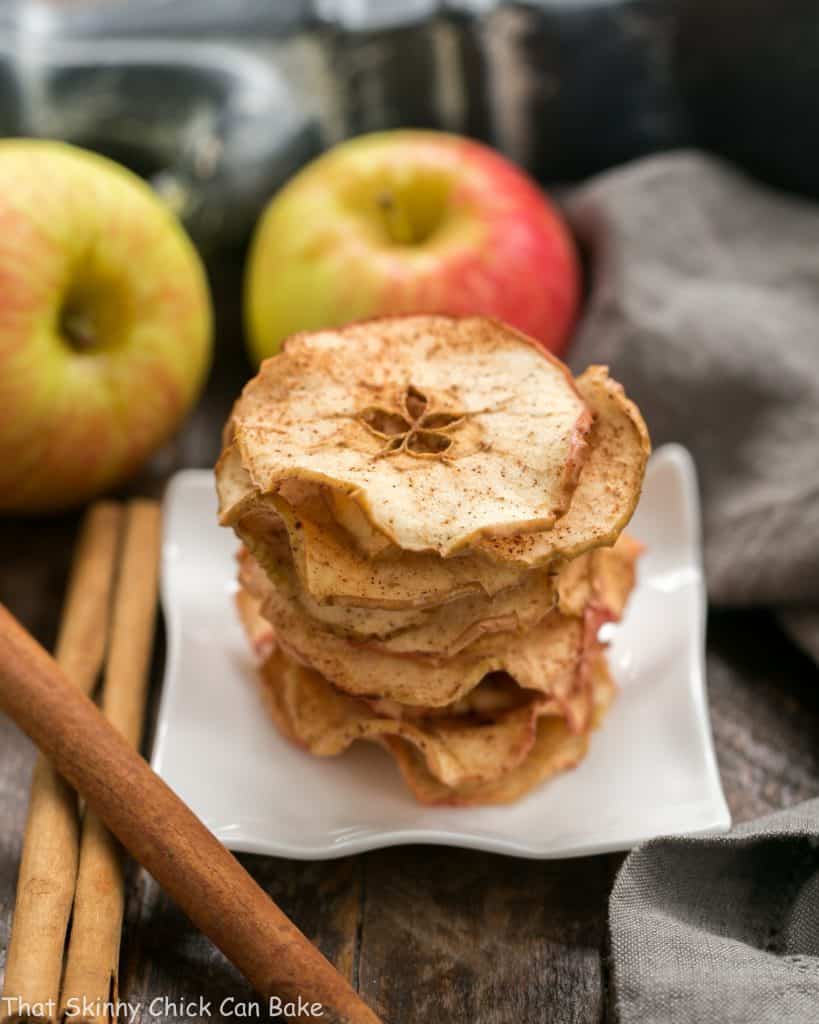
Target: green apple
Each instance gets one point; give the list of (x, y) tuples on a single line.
[(105, 324), (410, 222)]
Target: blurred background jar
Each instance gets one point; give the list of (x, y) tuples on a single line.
[(569, 87), (392, 63), (217, 104), (201, 100)]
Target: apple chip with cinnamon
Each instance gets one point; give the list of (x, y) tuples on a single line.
[(431, 515)]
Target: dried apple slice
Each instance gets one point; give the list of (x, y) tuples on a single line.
[(544, 657), (608, 489), (603, 577), (332, 570), (457, 748), (444, 630), (459, 757), (441, 428), (350, 515), (555, 749)]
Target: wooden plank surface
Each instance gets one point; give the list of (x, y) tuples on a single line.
[(459, 935), (426, 933)]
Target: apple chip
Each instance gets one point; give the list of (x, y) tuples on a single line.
[(614, 572), (603, 577), (450, 628), (544, 658), (432, 515), (258, 630), (351, 516), (333, 571), (555, 749), (440, 429), (444, 630), (347, 620), (609, 485), (233, 486), (457, 747)]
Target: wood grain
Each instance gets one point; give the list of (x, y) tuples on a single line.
[(764, 697), (538, 928), (483, 938), (164, 956)]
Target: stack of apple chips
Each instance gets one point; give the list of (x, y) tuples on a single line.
[(431, 515)]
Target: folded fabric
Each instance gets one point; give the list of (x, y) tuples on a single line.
[(721, 929), (705, 304)]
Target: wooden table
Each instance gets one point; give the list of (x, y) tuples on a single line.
[(425, 933)]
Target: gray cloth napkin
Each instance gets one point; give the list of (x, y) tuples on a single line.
[(721, 930), (705, 303)]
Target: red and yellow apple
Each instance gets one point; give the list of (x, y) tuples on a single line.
[(105, 324), (410, 222)]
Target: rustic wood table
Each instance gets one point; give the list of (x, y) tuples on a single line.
[(425, 933)]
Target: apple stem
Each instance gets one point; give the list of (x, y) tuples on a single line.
[(396, 217), (78, 330)]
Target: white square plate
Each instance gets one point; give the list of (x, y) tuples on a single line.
[(651, 769)]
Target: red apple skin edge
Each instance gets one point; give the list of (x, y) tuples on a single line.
[(105, 324), (410, 222)]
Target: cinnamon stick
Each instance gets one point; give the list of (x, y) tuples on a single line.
[(91, 983), (164, 835), (48, 869)]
